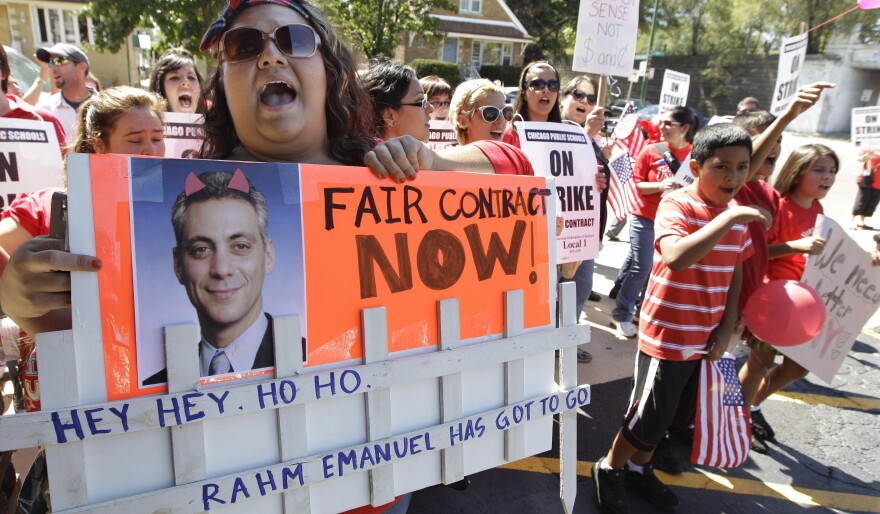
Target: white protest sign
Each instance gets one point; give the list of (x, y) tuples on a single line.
[(441, 134), (606, 37), (675, 89), (791, 58), (183, 134), (30, 158), (565, 153), (683, 177), (866, 127), (850, 286)]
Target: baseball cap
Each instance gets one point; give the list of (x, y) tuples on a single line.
[(62, 50)]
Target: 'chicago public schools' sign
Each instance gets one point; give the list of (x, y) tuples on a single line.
[(30, 158), (410, 327), (564, 152)]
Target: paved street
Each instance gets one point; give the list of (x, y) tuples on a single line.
[(828, 451)]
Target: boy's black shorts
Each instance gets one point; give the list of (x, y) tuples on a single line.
[(664, 395)]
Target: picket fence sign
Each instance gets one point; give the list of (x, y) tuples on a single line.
[(308, 438)]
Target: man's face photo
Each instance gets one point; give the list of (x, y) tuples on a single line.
[(222, 262)]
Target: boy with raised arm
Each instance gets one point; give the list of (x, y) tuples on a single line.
[(689, 306)]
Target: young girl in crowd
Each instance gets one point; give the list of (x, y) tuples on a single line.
[(400, 106), (177, 79), (653, 175), (805, 178), (439, 94)]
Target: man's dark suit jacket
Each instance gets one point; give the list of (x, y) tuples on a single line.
[(265, 357)]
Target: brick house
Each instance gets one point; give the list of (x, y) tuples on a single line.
[(482, 32)]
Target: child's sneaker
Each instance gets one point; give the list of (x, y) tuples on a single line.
[(665, 459), (761, 428), (648, 485), (626, 328), (610, 489)]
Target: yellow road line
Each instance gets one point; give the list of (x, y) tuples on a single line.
[(849, 402), (714, 482)]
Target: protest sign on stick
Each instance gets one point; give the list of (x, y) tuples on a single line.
[(30, 158), (564, 152), (850, 287), (606, 37), (865, 131), (791, 59), (382, 418), (674, 91)]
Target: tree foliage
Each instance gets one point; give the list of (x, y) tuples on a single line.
[(552, 23), (181, 22), (376, 26)]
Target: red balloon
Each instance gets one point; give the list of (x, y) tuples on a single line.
[(785, 313)]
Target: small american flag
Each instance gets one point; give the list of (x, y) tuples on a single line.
[(623, 197), (722, 430), (635, 141)]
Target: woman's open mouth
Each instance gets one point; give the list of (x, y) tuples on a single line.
[(277, 93), (185, 101)]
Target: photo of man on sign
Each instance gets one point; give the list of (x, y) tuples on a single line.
[(223, 255)]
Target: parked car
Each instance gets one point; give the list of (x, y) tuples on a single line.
[(615, 108), (648, 113), (510, 94)]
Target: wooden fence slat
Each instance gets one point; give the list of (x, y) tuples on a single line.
[(378, 403), (292, 421), (452, 459), (515, 374), (60, 387), (184, 372), (568, 419)]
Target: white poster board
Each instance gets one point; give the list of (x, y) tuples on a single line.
[(684, 176), (441, 134), (183, 134), (564, 152), (606, 37), (791, 59), (865, 131), (850, 286), (675, 89), (30, 158)]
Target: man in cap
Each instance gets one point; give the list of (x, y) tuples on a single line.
[(12, 106), (69, 67)]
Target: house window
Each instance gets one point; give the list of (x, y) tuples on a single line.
[(471, 6), (450, 49), (506, 54), (477, 54), (491, 53), (62, 26)]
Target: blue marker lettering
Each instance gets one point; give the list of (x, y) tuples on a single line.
[(61, 427), (270, 481), (122, 415), (191, 415), (93, 421), (219, 400), (209, 492), (175, 408), (331, 384)]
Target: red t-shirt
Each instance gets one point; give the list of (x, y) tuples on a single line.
[(792, 223), (24, 111), (681, 309), (762, 194), (505, 158), (510, 136), (32, 210), (652, 167)]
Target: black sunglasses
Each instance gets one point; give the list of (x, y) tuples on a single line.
[(490, 113), (245, 43), (580, 95), (540, 84)]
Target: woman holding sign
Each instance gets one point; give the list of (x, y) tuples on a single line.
[(655, 168)]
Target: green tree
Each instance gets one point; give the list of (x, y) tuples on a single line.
[(376, 26), (181, 22), (552, 23)]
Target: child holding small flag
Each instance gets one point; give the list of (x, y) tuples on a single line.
[(689, 309)]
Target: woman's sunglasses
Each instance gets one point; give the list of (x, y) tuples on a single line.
[(580, 95), (490, 113), (245, 43), (540, 84)]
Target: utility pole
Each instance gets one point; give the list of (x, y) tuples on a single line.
[(644, 92)]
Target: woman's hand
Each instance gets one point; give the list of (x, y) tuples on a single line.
[(810, 245), (36, 281), (399, 158), (595, 121), (601, 180)]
